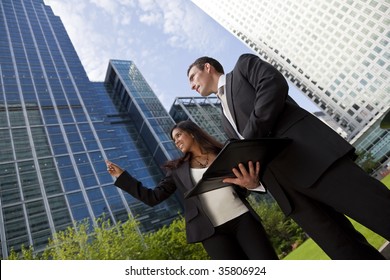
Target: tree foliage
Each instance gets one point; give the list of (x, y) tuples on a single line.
[(366, 161), (105, 242), (122, 241), (284, 233), (170, 243)]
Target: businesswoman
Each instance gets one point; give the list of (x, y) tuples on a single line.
[(222, 219)]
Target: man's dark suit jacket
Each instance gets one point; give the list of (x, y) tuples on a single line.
[(198, 225), (257, 96)]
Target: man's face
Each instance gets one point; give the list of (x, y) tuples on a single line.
[(200, 80)]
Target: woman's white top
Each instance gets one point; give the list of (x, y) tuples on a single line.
[(221, 205)]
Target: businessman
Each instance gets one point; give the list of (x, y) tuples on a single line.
[(314, 180)]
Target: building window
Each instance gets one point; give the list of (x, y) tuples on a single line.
[(374, 37), (366, 63), (369, 107), (370, 23), (383, 8), (376, 16), (369, 76), (381, 62), (356, 107), (373, 3), (368, 43)]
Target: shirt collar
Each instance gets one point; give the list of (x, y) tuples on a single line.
[(222, 81)]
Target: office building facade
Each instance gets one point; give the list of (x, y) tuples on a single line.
[(204, 111), (57, 128), (335, 51), (136, 119)]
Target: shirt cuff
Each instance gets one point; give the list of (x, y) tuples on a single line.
[(260, 188)]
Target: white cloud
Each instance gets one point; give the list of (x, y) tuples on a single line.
[(181, 21), (158, 35), (108, 6), (150, 18), (147, 5), (93, 31), (97, 27)]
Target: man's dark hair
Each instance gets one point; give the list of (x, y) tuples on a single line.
[(201, 61)]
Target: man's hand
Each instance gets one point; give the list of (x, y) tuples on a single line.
[(245, 179)]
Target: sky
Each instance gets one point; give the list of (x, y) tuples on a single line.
[(162, 37)]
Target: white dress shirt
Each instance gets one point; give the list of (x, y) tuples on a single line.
[(221, 205), (228, 115), (225, 107)]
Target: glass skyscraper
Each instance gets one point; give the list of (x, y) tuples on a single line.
[(335, 51), (138, 124), (204, 111), (57, 128)]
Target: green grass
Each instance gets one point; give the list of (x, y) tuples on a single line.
[(386, 181), (309, 250)]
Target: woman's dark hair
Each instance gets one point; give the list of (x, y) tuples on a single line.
[(201, 61), (206, 142)]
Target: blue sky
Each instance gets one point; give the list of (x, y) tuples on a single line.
[(162, 37)]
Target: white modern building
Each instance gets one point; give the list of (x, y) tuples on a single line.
[(335, 51)]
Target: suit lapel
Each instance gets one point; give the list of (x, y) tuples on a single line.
[(229, 97), (183, 173)]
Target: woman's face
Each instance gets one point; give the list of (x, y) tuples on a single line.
[(184, 141)]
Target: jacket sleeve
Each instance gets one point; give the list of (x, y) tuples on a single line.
[(151, 197), (242, 192), (271, 90)]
